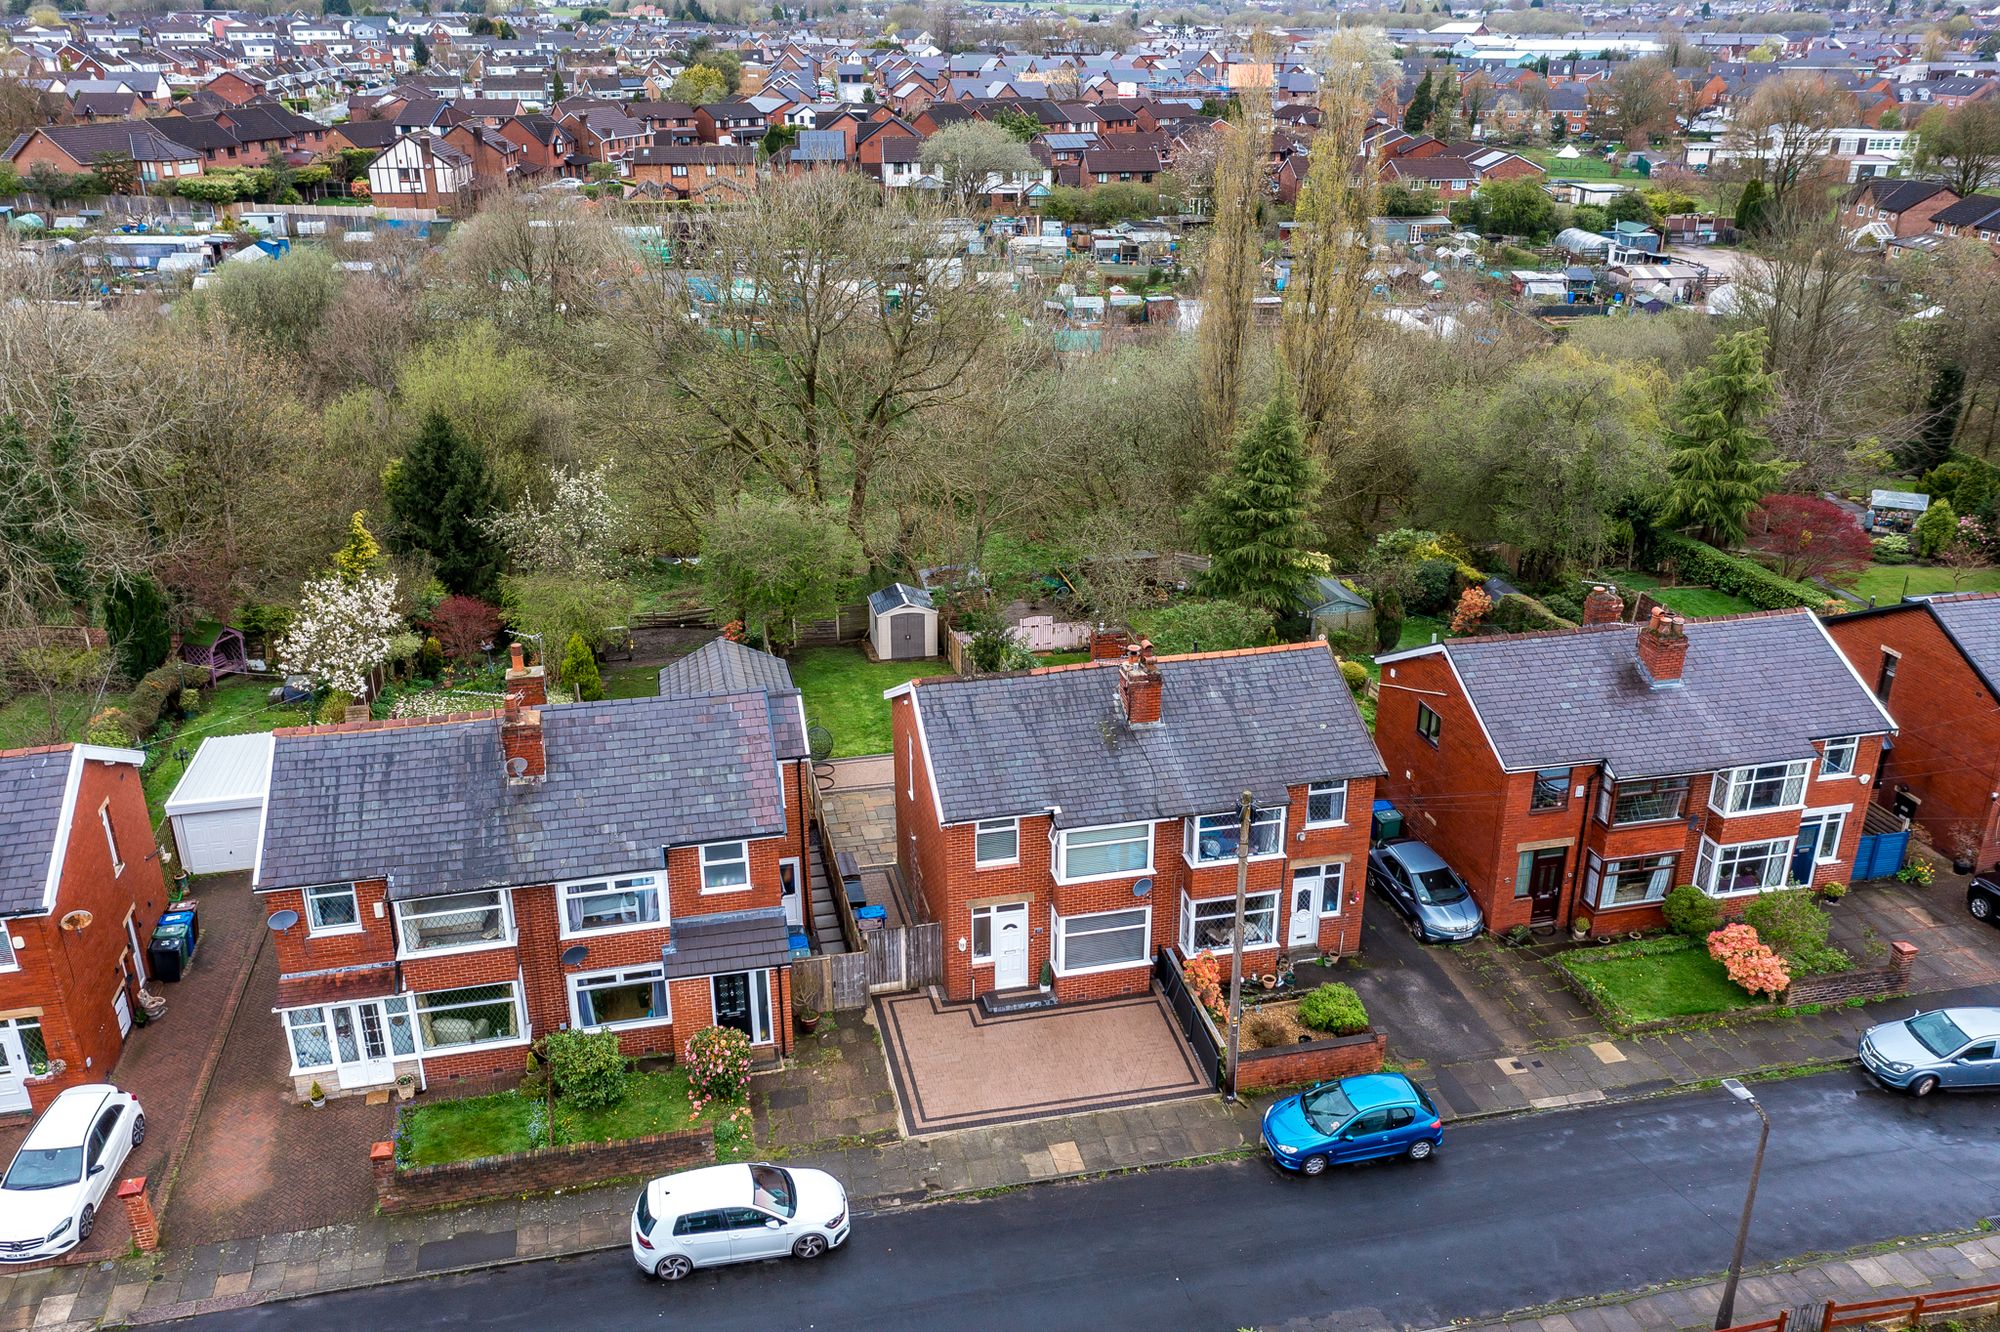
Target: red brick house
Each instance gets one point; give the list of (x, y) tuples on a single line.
[(80, 889), (1588, 772), (74, 149), (1898, 208), (1084, 817), (1935, 664), (710, 172), (444, 889)]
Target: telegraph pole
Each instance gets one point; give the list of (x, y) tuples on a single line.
[(1243, 813)]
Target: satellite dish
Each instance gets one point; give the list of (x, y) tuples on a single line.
[(1142, 887), (77, 920), (517, 767), (574, 954), (282, 920)]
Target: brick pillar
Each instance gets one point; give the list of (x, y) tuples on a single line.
[(139, 1212), (1901, 956), (382, 1161)]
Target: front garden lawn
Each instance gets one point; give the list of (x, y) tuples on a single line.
[(655, 1101), (24, 718), (1655, 980), (843, 692), (1694, 602), (1890, 583)]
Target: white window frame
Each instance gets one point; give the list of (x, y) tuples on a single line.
[(1059, 940), (292, 1045), (404, 914), (1834, 819), (707, 864), (1233, 822), (417, 1011), (1191, 910), (110, 838), (1597, 870), (310, 897), (1334, 789), (1847, 745), (609, 886), (1334, 872), (1062, 848), (1722, 791), (758, 975), (10, 960), (991, 827), (1708, 864), (618, 977)]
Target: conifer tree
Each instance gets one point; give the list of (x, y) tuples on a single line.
[(441, 495), (1256, 519), (1421, 101), (579, 671), (1715, 465)]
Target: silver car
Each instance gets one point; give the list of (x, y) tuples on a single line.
[(1948, 1047), (1426, 891)]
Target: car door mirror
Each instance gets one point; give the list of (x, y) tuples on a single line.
[(97, 1169), (772, 1224)]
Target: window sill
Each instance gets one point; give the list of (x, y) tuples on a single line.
[(1108, 966), (636, 1024), (1632, 906), (417, 955), (1221, 861), (603, 931), (996, 864), (439, 1052), (1331, 823), (1105, 878), (335, 931), (1548, 809), (733, 888)]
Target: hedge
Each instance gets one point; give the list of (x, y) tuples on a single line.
[(1517, 612), (158, 694), (1699, 562)]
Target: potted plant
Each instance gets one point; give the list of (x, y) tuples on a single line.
[(1829, 893), (315, 1096), (406, 1086), (1579, 928), (1048, 977), (808, 1019)]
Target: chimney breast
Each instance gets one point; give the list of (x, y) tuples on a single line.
[(1603, 606), (1663, 649), (1139, 685)]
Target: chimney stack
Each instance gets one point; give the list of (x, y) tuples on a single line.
[(527, 685), (521, 720), (1139, 685), (1603, 606), (1108, 644), (1663, 649)]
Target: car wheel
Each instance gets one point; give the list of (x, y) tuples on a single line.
[(1981, 908), (86, 1223), (673, 1267), (1313, 1165), (1421, 1149), (138, 1130), (1924, 1085), (809, 1246)]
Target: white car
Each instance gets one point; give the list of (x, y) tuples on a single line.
[(736, 1214), (65, 1169)]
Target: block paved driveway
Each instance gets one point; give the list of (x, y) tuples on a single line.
[(956, 1068)]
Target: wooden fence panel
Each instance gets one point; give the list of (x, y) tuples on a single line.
[(885, 959), (904, 957), (831, 982), (924, 955)]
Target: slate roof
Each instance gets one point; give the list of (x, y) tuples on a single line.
[(1972, 619), (721, 666), (1756, 689), (1268, 719), (727, 941), (31, 805), (429, 807)]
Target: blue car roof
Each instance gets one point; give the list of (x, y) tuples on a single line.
[(1372, 1091)]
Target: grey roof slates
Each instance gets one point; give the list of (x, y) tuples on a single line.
[(727, 941), (1972, 621), (723, 666), (1757, 689), (1014, 744), (31, 806)]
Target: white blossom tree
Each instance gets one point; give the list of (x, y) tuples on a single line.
[(342, 632), (576, 534)]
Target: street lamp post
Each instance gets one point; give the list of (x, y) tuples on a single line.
[(1725, 1314), (1243, 817)]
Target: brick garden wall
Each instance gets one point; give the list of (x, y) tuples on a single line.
[(1313, 1061), (400, 1190), (1871, 983)]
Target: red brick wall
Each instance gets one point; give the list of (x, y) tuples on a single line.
[(1315, 1061), (534, 1172), (41, 150), (1453, 794)]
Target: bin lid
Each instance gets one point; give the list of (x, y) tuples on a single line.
[(1384, 807)]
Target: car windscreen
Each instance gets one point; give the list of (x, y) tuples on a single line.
[(44, 1168), (1440, 886), (1939, 1034), (771, 1189), (1326, 1108)]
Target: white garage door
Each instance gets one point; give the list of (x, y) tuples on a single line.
[(219, 840)]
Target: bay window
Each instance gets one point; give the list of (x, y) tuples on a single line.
[(475, 1015), (619, 998), (454, 920), (1209, 925), (725, 867), (305, 1029), (1744, 867), (1120, 848), (610, 904), (331, 907), (1642, 802), (1214, 837), (1755, 790), (1633, 881), (1102, 941), (1326, 802)]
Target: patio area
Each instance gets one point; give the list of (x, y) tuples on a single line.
[(956, 1068)]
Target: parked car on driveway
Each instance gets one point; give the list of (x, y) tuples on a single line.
[(1982, 899), (736, 1214), (64, 1170), (1353, 1119), (1948, 1047), (1428, 892)]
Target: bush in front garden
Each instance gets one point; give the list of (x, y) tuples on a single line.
[(1336, 1008), (1692, 912), (1749, 961), (1795, 927), (718, 1065), (587, 1067)]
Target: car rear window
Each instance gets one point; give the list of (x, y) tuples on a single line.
[(644, 1214), (1424, 1101)]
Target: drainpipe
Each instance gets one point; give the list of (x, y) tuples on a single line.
[(1244, 814)]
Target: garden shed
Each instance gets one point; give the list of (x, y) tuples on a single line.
[(1895, 510), (1332, 607), (902, 623), (217, 808)]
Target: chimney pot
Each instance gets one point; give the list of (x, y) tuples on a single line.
[(1603, 606), (1139, 685), (516, 659), (1662, 648)]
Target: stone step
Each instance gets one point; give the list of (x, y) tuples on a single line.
[(994, 1003)]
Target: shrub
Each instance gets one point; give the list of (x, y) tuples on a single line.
[(1388, 620), (1935, 529), (1335, 1008), (1891, 544), (1206, 625), (718, 1065), (111, 728), (1356, 676), (1917, 873), (157, 696), (1565, 606), (1264, 1030), (1833, 891), (430, 659), (586, 1067), (1692, 912), (1518, 612), (1432, 589), (1698, 562), (579, 670), (1794, 926), (1750, 962), (1473, 608), (1203, 975)]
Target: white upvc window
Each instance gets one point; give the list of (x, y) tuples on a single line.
[(454, 922), (996, 842), (1831, 823), (306, 1033), (1632, 881), (1104, 853), (110, 838), (600, 906), (636, 997), (1760, 789), (1207, 925), (1102, 941), (1742, 867), (1326, 804), (725, 867), (982, 933), (1213, 838), (332, 908), (1838, 760), (9, 959), (1327, 880), (474, 1016)]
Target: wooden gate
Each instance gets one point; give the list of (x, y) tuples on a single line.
[(831, 982), (905, 957)]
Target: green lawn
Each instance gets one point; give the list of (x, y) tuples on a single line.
[(655, 1102), (1890, 583), (631, 682), (24, 719), (843, 692), (1655, 980), (230, 709), (1590, 166), (666, 587), (1695, 602)]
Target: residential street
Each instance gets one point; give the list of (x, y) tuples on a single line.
[(1515, 1212)]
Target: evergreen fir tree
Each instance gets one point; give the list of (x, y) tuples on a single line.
[(579, 671), (361, 556), (1256, 521), (1750, 208), (1715, 463), (135, 622), (1936, 529), (1419, 111), (439, 493)]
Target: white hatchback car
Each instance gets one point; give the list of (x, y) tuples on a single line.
[(65, 1169), (736, 1214)]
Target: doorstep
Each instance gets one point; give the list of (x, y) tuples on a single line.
[(997, 1003)]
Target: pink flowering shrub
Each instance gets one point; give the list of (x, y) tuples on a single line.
[(1749, 961), (718, 1065)]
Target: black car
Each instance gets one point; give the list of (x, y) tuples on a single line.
[(1982, 899)]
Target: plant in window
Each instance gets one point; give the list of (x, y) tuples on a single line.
[(1692, 912), (1749, 962), (1203, 975), (1336, 1008), (587, 1067), (718, 1065)]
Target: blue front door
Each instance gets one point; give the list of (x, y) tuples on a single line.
[(1804, 853)]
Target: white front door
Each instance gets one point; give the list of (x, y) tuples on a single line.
[(789, 888), (13, 1070), (361, 1046), (1303, 932), (1010, 946)]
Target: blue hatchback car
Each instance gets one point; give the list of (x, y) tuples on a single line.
[(1354, 1119)]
